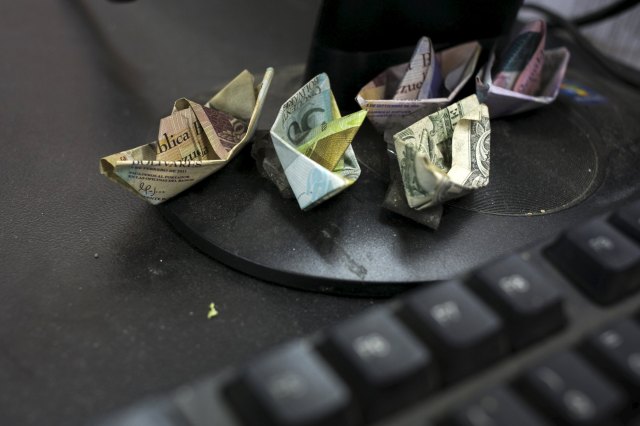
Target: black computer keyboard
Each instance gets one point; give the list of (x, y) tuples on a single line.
[(548, 335)]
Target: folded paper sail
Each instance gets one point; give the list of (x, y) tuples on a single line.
[(428, 80), (193, 142), (527, 76), (446, 154), (313, 143)]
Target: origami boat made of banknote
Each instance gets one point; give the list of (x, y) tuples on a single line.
[(313, 143), (528, 76), (193, 142), (503, 102), (445, 155), (457, 65)]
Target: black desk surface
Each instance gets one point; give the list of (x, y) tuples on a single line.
[(81, 335), (103, 301)]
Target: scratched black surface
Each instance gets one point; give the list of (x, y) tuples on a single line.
[(81, 335)]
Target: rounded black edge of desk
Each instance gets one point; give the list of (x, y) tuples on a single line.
[(352, 288)]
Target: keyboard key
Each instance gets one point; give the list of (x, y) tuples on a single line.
[(462, 331), (568, 389), (600, 259), (627, 219), (386, 365), (292, 385), (616, 349), (157, 412), (528, 300), (497, 407)]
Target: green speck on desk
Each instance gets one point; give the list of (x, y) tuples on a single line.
[(212, 311)]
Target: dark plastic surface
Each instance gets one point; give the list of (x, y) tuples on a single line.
[(594, 401), (542, 164), (602, 260), (447, 309)]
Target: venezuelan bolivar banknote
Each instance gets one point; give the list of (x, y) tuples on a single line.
[(526, 77), (193, 142), (430, 79), (446, 154), (313, 143)]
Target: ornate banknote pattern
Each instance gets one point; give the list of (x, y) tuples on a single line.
[(313, 143), (526, 77), (193, 142), (327, 143), (446, 154), (429, 80), (522, 62), (423, 77)]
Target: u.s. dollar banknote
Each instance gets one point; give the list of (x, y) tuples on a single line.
[(526, 76), (429, 80), (193, 142), (313, 143), (446, 154)]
